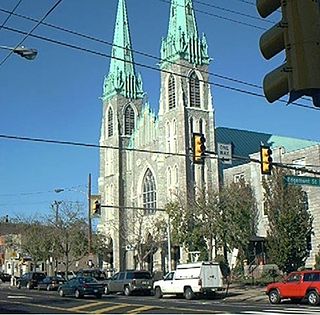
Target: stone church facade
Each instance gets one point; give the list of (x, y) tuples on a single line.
[(146, 160)]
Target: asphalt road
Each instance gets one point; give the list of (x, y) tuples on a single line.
[(15, 301)]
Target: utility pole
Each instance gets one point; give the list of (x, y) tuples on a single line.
[(89, 217)]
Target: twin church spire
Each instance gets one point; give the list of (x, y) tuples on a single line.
[(182, 42), (122, 78)]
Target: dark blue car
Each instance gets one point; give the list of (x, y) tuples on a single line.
[(81, 286)]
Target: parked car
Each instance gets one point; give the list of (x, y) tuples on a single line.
[(81, 286), (5, 277), (190, 280), (129, 282), (98, 274), (63, 274), (30, 280), (296, 286), (50, 283)]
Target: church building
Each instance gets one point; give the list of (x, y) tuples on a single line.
[(147, 160)]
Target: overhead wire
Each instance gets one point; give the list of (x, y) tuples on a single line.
[(29, 33), (158, 59), (99, 146), (150, 67), (10, 14), (223, 18)]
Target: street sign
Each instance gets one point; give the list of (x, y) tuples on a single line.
[(302, 180), (225, 153)]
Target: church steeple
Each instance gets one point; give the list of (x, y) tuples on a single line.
[(122, 78), (182, 41)]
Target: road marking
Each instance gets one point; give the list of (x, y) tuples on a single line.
[(109, 308), (82, 307), (142, 309), (19, 297)]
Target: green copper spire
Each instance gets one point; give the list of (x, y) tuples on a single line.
[(122, 78), (183, 41)]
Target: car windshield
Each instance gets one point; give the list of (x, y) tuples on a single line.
[(39, 275), (138, 275)]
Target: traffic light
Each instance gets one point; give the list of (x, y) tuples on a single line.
[(266, 160), (199, 148), (298, 33), (95, 204)]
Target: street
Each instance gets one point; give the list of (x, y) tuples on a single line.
[(15, 301)]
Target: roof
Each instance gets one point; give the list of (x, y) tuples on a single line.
[(245, 142)]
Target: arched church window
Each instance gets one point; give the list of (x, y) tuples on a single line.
[(194, 90), (174, 131), (168, 131), (110, 122), (201, 125), (149, 193), (128, 120), (172, 92)]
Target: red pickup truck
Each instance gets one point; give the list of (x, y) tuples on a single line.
[(297, 286)]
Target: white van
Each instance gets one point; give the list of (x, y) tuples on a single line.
[(190, 280)]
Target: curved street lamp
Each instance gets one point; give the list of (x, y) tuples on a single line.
[(24, 52)]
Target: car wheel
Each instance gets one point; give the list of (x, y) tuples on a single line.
[(61, 293), (158, 293), (106, 290), (126, 291), (274, 297), (99, 296), (313, 298), (77, 294), (188, 294)]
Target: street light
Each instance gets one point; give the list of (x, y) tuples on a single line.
[(24, 52)]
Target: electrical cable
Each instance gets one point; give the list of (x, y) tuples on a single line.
[(29, 33), (158, 59), (90, 145), (10, 14), (223, 18), (135, 51), (150, 67)]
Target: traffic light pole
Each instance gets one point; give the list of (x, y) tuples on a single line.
[(89, 217)]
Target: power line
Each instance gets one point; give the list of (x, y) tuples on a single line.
[(150, 67), (224, 18), (142, 53), (233, 11), (10, 14), (158, 59), (29, 33), (89, 145)]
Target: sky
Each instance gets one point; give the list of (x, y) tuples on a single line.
[(57, 95)]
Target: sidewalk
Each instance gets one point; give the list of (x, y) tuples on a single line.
[(244, 294)]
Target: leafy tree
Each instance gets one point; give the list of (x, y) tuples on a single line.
[(143, 233), (69, 234), (225, 218), (290, 222)]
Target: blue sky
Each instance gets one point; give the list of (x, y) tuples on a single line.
[(56, 96)]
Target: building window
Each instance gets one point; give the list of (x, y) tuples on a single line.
[(194, 90), (168, 138), (110, 122), (174, 138), (172, 92), (149, 193), (129, 120)]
